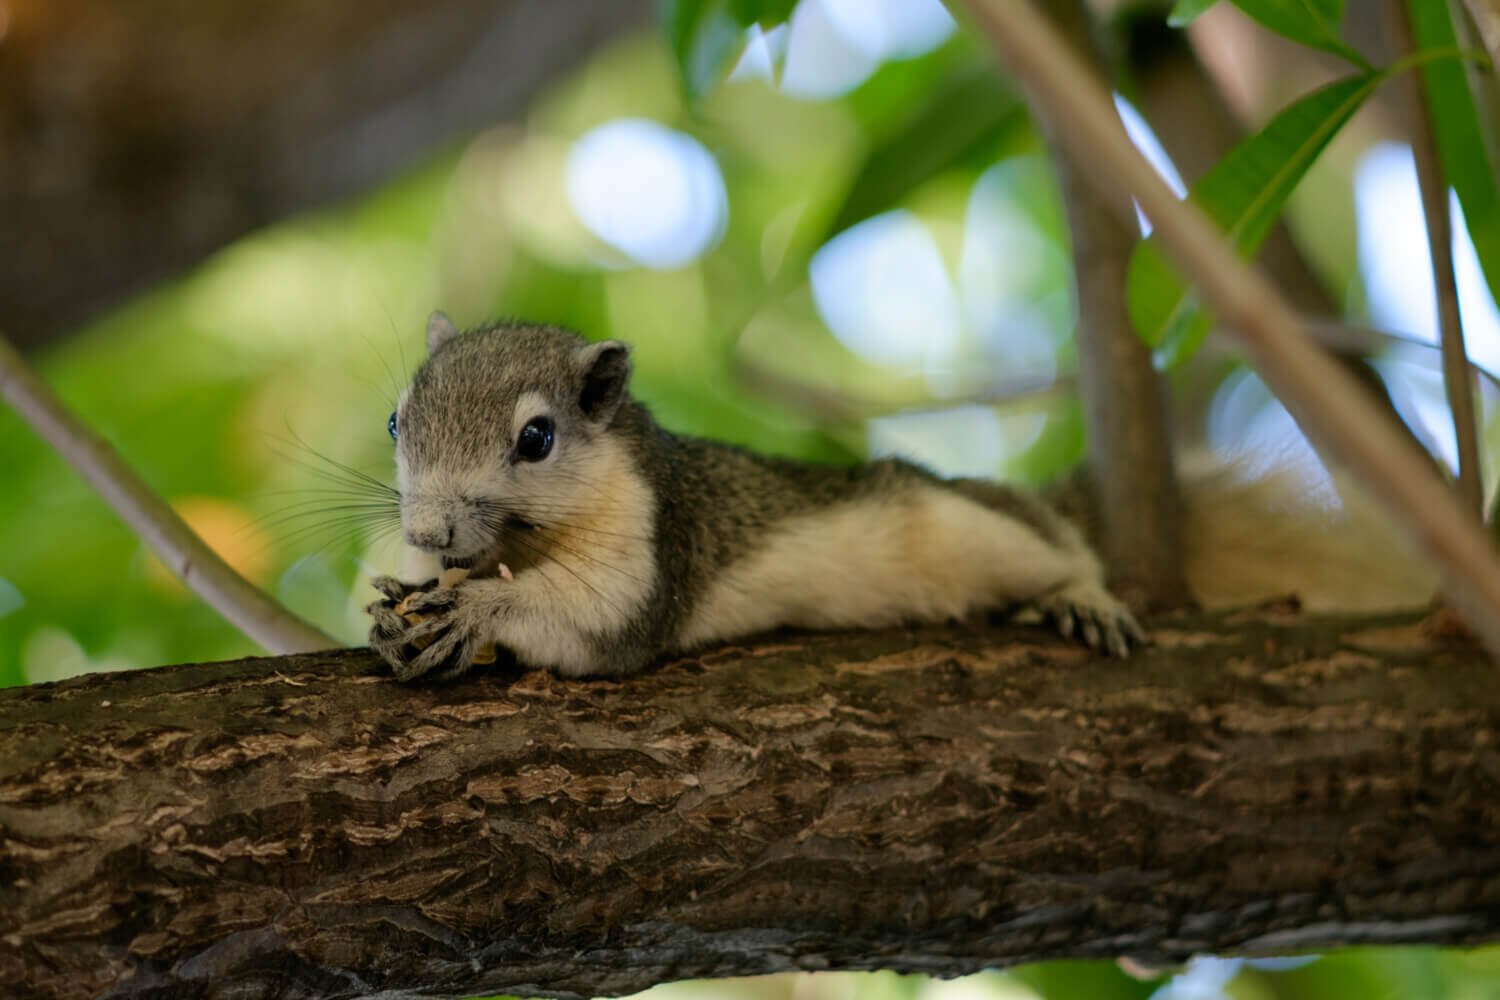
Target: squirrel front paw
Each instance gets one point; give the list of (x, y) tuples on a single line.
[(395, 591), (1091, 613), (425, 631)]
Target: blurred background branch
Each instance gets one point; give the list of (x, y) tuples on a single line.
[(135, 140)]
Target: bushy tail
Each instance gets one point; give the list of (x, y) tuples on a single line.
[(1251, 537)]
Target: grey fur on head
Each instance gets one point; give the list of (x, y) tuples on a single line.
[(458, 465)]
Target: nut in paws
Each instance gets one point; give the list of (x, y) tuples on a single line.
[(422, 632)]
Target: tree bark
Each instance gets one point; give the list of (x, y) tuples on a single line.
[(938, 800)]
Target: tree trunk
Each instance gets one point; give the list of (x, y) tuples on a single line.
[(936, 800)]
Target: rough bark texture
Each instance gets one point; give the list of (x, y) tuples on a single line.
[(940, 800), (137, 137)]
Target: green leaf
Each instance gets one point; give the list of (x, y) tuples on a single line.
[(706, 36), (1244, 193), (1187, 11), (1314, 23), (766, 13), (963, 117), (1458, 124)]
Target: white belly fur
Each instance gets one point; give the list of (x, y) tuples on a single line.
[(926, 556)]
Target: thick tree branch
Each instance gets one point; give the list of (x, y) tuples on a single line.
[(940, 800), (199, 567), (1124, 400), (1324, 399)]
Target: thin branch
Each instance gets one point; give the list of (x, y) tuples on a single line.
[(1124, 399), (1323, 397), (940, 800), (837, 407), (1486, 15), (1458, 380), (199, 567)]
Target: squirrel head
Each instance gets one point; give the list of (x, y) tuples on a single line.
[(500, 432)]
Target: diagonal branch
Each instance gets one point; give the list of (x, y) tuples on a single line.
[(1197, 126), (202, 569), (938, 800), (1323, 398)]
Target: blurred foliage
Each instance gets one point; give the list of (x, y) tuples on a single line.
[(706, 36), (891, 274), (1314, 23), (1352, 974), (1463, 131), (1245, 193)]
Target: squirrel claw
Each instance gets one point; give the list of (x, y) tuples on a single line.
[(1093, 614), (449, 656)]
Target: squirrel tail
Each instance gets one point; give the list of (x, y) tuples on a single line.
[(1253, 537)]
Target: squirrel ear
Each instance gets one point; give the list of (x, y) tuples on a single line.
[(606, 373), (440, 330)]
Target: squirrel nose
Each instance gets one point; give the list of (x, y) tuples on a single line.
[(436, 537)]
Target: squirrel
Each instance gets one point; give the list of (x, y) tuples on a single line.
[(596, 542)]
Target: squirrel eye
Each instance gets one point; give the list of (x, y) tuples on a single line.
[(535, 441), (390, 425)]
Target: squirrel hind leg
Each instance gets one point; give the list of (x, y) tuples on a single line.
[(929, 553)]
